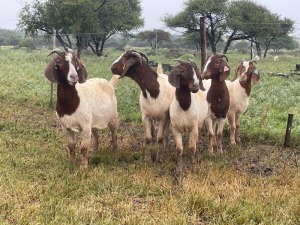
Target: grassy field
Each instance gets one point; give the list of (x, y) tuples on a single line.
[(256, 183)]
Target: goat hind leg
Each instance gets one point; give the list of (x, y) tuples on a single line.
[(231, 120), (147, 124), (71, 146), (113, 126), (193, 138)]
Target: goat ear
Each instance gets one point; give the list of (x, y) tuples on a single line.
[(51, 71), (174, 78), (82, 73), (224, 70), (129, 63), (255, 76)]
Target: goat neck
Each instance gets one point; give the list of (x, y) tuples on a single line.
[(218, 97), (146, 78), (67, 99)]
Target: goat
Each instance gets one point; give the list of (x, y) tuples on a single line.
[(238, 70), (85, 107), (155, 97), (188, 108), (239, 92), (217, 96)]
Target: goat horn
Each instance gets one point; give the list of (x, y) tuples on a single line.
[(222, 55), (252, 60), (56, 50), (69, 50), (138, 55), (179, 60), (144, 55), (191, 60)]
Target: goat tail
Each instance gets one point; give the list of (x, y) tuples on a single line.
[(114, 80), (159, 69)]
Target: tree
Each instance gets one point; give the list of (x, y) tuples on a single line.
[(284, 42), (215, 12), (154, 37), (276, 29), (90, 22), (115, 16), (244, 21)]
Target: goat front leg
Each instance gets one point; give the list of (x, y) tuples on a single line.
[(71, 146), (85, 144), (221, 124), (147, 124)]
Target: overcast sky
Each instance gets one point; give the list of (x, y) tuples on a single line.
[(154, 10)]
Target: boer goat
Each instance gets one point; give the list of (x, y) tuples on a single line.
[(85, 107), (216, 69), (239, 91), (155, 98), (188, 109)]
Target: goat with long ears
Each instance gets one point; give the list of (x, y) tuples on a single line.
[(83, 106), (188, 109), (155, 98), (216, 69), (239, 91)]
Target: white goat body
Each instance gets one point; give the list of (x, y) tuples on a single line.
[(85, 107), (188, 108), (97, 107)]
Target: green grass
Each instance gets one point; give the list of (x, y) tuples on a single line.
[(256, 183)]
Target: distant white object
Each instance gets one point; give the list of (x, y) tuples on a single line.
[(257, 58), (276, 58)]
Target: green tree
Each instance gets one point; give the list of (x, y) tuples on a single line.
[(90, 22), (154, 37), (113, 17), (215, 12), (249, 21), (284, 42), (244, 21)]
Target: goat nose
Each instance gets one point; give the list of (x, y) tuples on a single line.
[(74, 77)]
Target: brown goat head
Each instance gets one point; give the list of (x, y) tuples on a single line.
[(216, 67), (186, 76), (65, 67), (127, 60), (249, 72)]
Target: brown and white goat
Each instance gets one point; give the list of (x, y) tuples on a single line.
[(188, 109), (216, 69), (239, 91), (155, 98), (85, 107)]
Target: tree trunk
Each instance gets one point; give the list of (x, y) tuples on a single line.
[(258, 49), (102, 47), (79, 44)]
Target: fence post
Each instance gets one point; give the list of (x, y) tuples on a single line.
[(287, 139), (51, 85), (202, 41)]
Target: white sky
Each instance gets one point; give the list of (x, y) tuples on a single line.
[(154, 10)]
